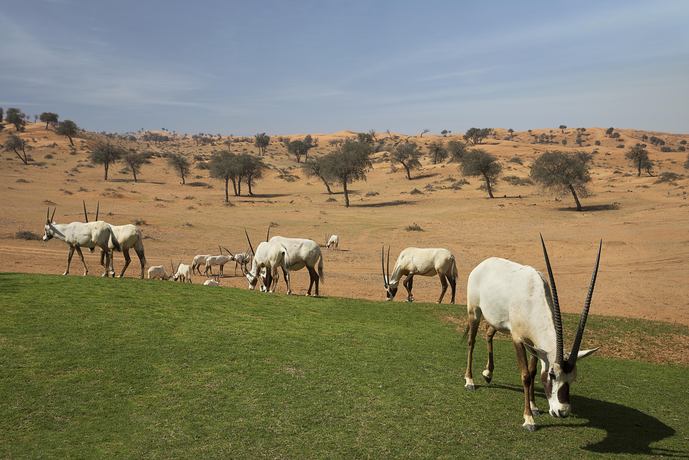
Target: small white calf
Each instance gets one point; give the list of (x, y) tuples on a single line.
[(157, 272), (211, 283), (333, 241), (183, 273)]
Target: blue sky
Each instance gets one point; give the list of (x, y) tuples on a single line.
[(321, 66)]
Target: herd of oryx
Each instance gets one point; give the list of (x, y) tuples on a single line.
[(510, 297)]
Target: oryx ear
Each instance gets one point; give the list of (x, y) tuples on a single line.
[(537, 352), (584, 353)]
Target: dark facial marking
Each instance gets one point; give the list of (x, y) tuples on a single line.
[(563, 393), (547, 384)]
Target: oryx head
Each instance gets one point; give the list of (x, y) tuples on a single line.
[(174, 276), (390, 286), (251, 277), (558, 375), (49, 229)]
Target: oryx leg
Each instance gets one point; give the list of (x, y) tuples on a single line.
[(69, 259), (453, 287), (142, 260), (235, 268), (222, 270), (108, 258), (81, 256), (443, 290), (488, 371), (287, 281), (527, 383), (127, 260), (474, 318), (533, 363), (409, 285), (313, 279)]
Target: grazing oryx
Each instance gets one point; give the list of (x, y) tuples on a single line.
[(128, 236), (268, 255), (423, 262), (81, 235), (157, 272), (302, 253), (518, 299), (333, 241), (197, 262), (183, 273)]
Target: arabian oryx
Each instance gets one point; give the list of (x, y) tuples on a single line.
[(423, 262), (199, 260), (157, 272), (517, 298), (81, 235), (270, 256), (220, 260), (333, 241), (181, 273), (302, 253), (241, 259), (128, 236)]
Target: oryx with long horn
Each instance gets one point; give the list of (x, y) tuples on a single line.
[(81, 235), (129, 236), (517, 299), (422, 262), (270, 256)]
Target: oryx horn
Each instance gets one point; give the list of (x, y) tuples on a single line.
[(97, 209), (268, 232), (388, 264), (52, 217), (249, 241), (228, 251), (585, 312), (557, 318), (382, 265), (86, 214)]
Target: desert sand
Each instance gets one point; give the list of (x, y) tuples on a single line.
[(644, 225)]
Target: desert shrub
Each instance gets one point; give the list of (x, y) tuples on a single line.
[(619, 146), (668, 177), (666, 149), (27, 235), (140, 222), (516, 180), (516, 159), (597, 142), (416, 191), (372, 193), (414, 228)]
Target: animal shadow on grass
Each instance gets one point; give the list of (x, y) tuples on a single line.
[(627, 430)]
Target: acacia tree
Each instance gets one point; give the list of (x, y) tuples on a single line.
[(437, 151), (134, 162), (562, 128), (261, 141), (16, 117), (478, 162), (349, 163), (638, 157), (17, 144), (407, 154), (318, 167), (106, 154), (686, 163), (476, 135), (223, 165), (511, 133), (251, 169), (456, 150), (563, 173), (180, 164), (67, 128), (300, 148), (48, 118)]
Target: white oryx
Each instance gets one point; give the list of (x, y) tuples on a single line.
[(268, 256), (220, 261), (81, 235), (198, 261), (302, 253), (128, 236), (157, 272), (333, 241), (182, 273), (422, 262), (517, 299), (211, 282), (241, 259)]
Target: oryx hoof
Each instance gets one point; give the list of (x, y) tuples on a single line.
[(529, 427), (535, 411), (470, 387), (487, 376), (65, 274)]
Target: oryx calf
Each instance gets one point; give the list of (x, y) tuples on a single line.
[(517, 299), (242, 259), (157, 272), (220, 260), (81, 235), (333, 241), (183, 273), (211, 282), (423, 262)]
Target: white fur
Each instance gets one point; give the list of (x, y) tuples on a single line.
[(157, 272), (333, 241)]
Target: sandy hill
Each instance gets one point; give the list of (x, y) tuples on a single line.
[(644, 223)]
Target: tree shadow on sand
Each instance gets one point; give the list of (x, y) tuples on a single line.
[(594, 208), (382, 204), (627, 430)]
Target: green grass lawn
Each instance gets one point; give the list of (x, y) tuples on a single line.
[(93, 367)]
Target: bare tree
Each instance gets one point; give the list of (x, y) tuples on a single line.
[(18, 146), (318, 167), (67, 128)]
